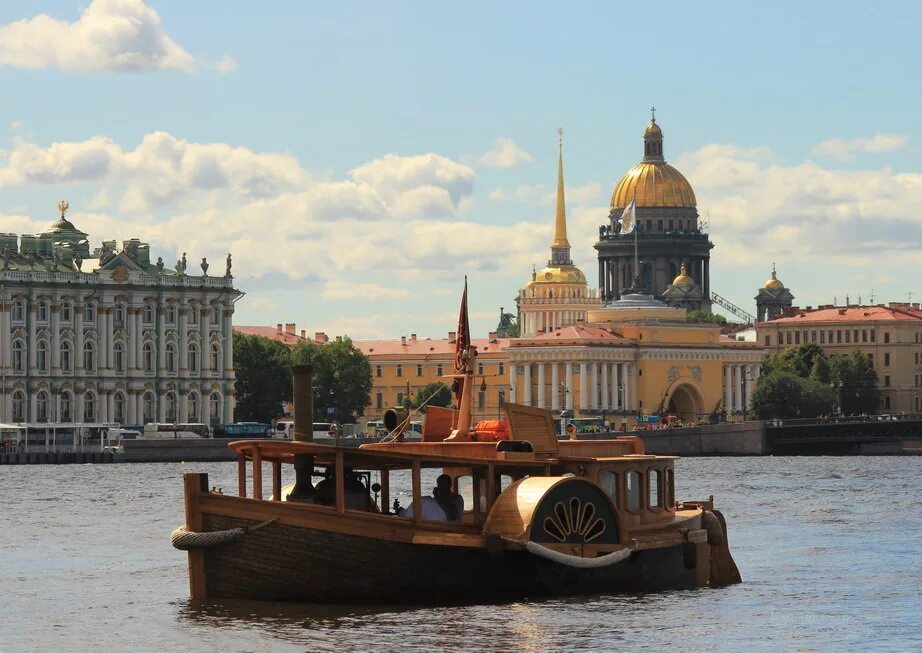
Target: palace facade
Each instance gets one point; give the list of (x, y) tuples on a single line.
[(128, 340)]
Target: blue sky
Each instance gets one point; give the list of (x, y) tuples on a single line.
[(359, 158)]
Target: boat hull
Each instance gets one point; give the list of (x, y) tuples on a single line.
[(293, 563)]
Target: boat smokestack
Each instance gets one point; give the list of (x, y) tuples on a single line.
[(302, 377)]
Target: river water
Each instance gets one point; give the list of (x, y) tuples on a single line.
[(830, 550)]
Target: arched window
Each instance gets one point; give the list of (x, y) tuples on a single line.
[(41, 313), (214, 408), (148, 356), (215, 315), (89, 407), (41, 356), (148, 407), (89, 312), (193, 314), (19, 406), (66, 410), (67, 363), (170, 407), (170, 357), (19, 356), (171, 314), (118, 353), (148, 313), (119, 403), (66, 315), (119, 316), (193, 358), (193, 408), (19, 310), (89, 356), (215, 357), (41, 406)]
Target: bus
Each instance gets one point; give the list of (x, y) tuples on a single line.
[(243, 431), (285, 428), (161, 431)]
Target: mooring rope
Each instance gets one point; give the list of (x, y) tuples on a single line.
[(184, 539), (578, 561)]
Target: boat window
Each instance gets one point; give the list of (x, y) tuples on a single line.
[(609, 483), (633, 491), (653, 486), (465, 487), (670, 488)]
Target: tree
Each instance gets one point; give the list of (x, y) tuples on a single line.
[(784, 395), (855, 382), (433, 394), (263, 378), (342, 378), (704, 316), (794, 360)]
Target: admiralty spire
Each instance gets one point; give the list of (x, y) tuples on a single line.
[(558, 294)]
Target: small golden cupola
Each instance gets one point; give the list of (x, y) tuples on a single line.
[(774, 283), (683, 279)]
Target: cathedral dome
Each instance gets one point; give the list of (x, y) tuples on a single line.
[(774, 283), (683, 279), (653, 182), (558, 274)]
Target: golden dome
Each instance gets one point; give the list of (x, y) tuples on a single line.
[(774, 283), (670, 187), (683, 279), (558, 274), (652, 129)]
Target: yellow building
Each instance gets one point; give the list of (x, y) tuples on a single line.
[(891, 336)]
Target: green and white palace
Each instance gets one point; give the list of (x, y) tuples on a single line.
[(108, 335)]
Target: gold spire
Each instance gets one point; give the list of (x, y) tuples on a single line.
[(560, 223)]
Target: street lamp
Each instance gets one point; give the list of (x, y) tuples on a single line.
[(563, 389)]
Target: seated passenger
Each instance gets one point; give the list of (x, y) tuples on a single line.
[(451, 502), (431, 510)]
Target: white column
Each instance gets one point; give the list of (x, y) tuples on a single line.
[(131, 405), (728, 407), (31, 314), (106, 406), (628, 379), (738, 404), (132, 345), (229, 402), (583, 388), (528, 384), (614, 386), (184, 340), (512, 383), (5, 340), (78, 340), (541, 388), (183, 407), (139, 341), (55, 338), (228, 342), (204, 319), (161, 345), (605, 405), (594, 386), (555, 386), (109, 324), (568, 398)]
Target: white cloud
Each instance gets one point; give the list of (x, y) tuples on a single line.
[(226, 64), (339, 289), (504, 154), (392, 175), (841, 150), (109, 35)]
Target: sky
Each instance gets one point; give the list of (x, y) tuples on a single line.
[(359, 158)]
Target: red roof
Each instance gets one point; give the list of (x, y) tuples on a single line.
[(572, 332), (426, 346), (852, 314), (285, 337)]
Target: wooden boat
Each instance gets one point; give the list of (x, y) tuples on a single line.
[(545, 517)]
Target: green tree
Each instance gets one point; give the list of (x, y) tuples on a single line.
[(855, 382), (821, 372), (263, 378), (704, 316), (433, 394), (342, 378), (794, 360), (784, 395)]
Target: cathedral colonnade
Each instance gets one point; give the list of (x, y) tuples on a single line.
[(739, 384), (587, 387)]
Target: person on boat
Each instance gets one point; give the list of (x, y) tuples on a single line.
[(431, 510), (451, 502)]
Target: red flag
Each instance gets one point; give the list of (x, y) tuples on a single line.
[(462, 342)]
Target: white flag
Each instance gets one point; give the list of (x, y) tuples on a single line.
[(627, 220)]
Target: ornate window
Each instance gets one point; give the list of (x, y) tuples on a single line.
[(215, 315), (66, 315), (170, 357), (118, 353), (19, 406), (119, 315), (89, 356), (193, 358), (119, 403), (41, 406), (215, 357), (41, 356), (193, 408), (193, 315), (171, 314), (89, 407), (67, 364), (147, 353), (170, 407), (89, 312), (148, 314), (214, 408), (19, 310), (41, 313), (66, 411), (148, 407), (19, 356)]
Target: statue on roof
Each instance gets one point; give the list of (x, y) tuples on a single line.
[(204, 266), (78, 261), (160, 263), (6, 257), (227, 271)]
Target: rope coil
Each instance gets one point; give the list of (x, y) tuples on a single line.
[(184, 539)]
